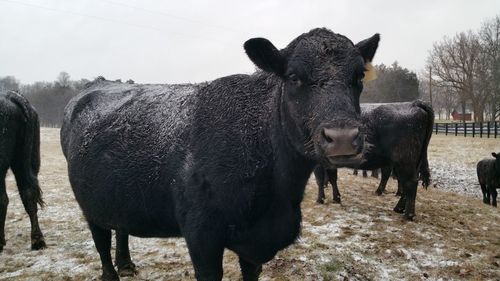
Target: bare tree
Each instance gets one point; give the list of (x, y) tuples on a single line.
[(489, 78), (63, 80), (9, 83), (454, 63)]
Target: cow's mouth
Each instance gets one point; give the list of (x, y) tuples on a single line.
[(352, 161)]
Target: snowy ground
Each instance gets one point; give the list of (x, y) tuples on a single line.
[(453, 161), (454, 237)]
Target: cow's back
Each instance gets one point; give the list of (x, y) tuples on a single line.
[(120, 140)]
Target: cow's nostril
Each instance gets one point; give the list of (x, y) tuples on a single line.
[(356, 141), (326, 136)]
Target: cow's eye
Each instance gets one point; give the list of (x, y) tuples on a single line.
[(294, 79)]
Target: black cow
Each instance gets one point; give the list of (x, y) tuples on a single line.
[(223, 164), (397, 136), (488, 173), (20, 151)]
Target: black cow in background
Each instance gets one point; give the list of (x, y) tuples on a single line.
[(488, 173), (223, 164), (397, 135), (20, 151)]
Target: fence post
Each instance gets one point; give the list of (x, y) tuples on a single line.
[(496, 129), (456, 129), (488, 129), (436, 125), (481, 129), (473, 129), (446, 129), (465, 130)]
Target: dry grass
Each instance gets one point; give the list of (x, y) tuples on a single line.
[(453, 237)]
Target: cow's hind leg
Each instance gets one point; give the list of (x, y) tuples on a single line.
[(320, 174), (493, 195), (122, 256), (102, 241), (400, 190), (409, 182), (4, 201), (332, 177), (30, 192), (486, 194), (386, 173), (250, 271)]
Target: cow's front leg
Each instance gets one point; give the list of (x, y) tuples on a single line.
[(249, 270)]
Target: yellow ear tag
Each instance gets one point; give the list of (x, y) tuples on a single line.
[(370, 73)]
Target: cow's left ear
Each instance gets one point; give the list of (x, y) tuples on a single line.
[(367, 49), (494, 154), (265, 56)]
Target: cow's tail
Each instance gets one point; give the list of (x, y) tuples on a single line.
[(424, 171), (30, 143)]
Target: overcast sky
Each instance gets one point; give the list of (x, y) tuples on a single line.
[(193, 41)]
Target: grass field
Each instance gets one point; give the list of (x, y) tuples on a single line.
[(454, 236)]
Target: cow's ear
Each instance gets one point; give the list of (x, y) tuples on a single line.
[(367, 49), (265, 56), (494, 154)]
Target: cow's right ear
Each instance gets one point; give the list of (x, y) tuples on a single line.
[(494, 154), (265, 56)]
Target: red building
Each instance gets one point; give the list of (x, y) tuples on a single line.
[(458, 116)]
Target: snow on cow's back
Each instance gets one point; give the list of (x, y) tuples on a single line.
[(161, 109)]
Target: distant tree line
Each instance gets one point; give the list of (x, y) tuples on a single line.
[(49, 98), (465, 72), (393, 84)]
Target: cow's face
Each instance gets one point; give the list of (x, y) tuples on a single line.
[(322, 74), (497, 162)]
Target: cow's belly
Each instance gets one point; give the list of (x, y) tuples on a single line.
[(117, 193)]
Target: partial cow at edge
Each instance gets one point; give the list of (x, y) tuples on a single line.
[(488, 173), (20, 151), (397, 137)]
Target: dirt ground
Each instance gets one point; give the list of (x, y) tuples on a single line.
[(454, 236)]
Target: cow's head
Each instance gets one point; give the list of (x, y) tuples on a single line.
[(497, 162), (322, 77)]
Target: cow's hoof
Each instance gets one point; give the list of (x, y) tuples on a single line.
[(38, 244), (127, 270), (110, 276), (320, 201), (486, 201), (1, 249), (409, 217), (379, 193), (399, 210), (336, 200)]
